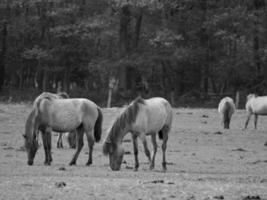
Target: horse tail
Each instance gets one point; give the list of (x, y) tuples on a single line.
[(160, 134), (98, 125), (226, 114), (166, 128), (163, 131)]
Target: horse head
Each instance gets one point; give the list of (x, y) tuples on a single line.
[(115, 152), (251, 96), (30, 136)]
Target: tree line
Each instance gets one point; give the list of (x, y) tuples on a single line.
[(125, 48)]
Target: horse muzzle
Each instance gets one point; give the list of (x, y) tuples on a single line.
[(115, 167), (30, 162)]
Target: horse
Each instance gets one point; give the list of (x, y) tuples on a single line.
[(256, 105), (62, 115), (142, 117), (71, 136), (226, 108)]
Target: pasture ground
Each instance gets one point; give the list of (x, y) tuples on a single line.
[(204, 162)]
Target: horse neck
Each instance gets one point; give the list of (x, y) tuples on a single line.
[(32, 125), (117, 139)]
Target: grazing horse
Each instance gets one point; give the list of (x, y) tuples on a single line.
[(71, 136), (226, 108), (256, 105), (62, 115), (142, 117)]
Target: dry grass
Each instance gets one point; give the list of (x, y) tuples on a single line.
[(202, 164)]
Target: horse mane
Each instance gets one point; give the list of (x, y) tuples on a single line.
[(251, 95), (29, 124), (63, 95), (128, 116), (49, 96)]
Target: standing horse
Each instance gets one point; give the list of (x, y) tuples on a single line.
[(226, 108), (62, 115), (71, 136), (256, 105), (142, 117)]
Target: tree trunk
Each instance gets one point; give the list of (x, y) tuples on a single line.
[(204, 40), (256, 46), (109, 97), (137, 29), (113, 83), (3, 56), (125, 19), (237, 97), (44, 84), (66, 80)]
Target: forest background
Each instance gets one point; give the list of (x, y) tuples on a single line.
[(192, 52)]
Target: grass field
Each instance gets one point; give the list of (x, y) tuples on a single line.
[(204, 162)]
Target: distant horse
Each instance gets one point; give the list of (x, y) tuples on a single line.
[(71, 137), (142, 117), (226, 108), (62, 115), (256, 105)]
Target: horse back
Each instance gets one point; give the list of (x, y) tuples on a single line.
[(258, 105), (67, 114), (226, 105), (154, 114)]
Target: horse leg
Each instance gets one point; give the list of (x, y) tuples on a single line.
[(45, 144), (228, 123), (80, 133), (135, 148), (49, 138), (147, 152), (164, 147), (58, 138), (248, 118), (255, 120), (154, 143), (91, 142), (59, 141)]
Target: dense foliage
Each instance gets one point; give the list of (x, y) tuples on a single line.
[(172, 48)]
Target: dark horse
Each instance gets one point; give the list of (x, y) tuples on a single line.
[(62, 115), (142, 117)]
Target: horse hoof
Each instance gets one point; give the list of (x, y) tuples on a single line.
[(151, 167), (88, 163), (30, 163), (47, 163), (72, 163)]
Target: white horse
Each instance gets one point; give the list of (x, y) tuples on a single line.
[(226, 108), (256, 105), (142, 117), (62, 115), (71, 136)]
